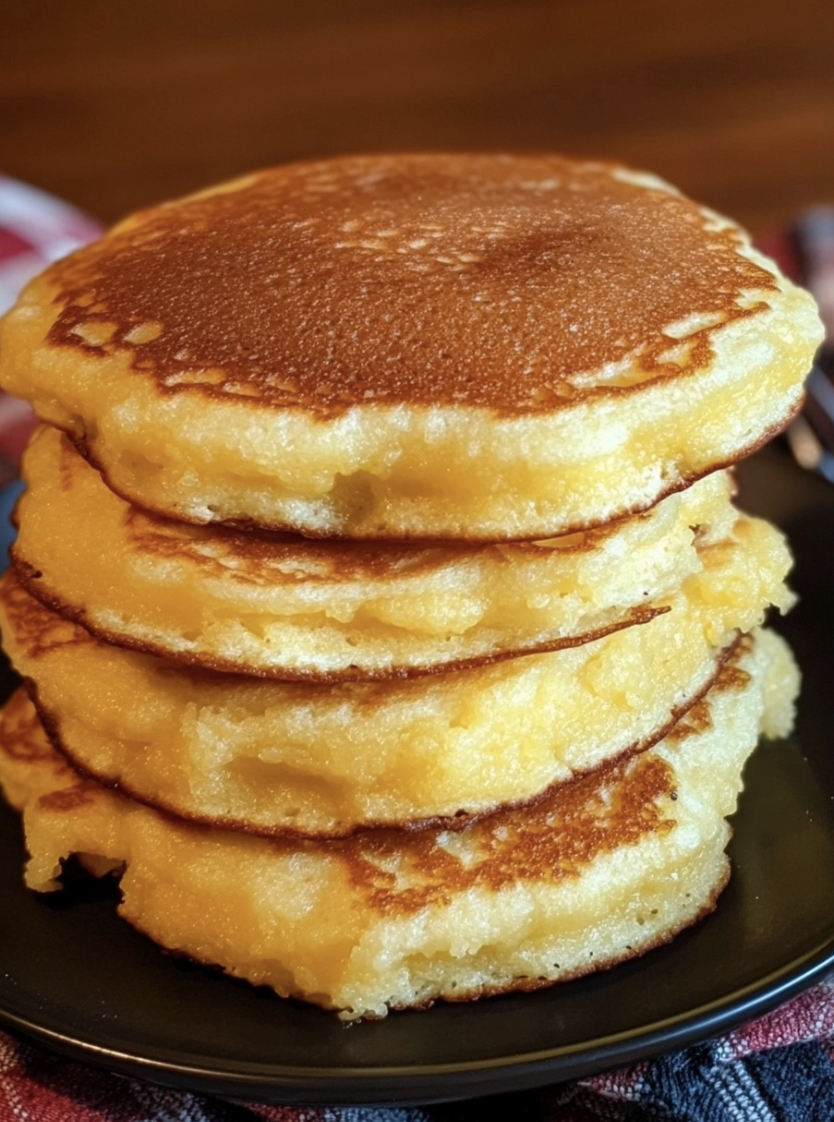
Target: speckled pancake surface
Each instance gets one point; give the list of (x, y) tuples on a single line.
[(456, 346), (607, 867), (295, 608), (325, 759)]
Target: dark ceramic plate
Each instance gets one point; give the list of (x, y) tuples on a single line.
[(77, 979)]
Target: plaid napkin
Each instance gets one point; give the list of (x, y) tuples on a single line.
[(35, 228), (779, 1068)]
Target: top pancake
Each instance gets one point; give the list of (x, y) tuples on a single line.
[(452, 346)]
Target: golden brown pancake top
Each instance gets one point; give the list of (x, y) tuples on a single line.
[(474, 280), (555, 839)]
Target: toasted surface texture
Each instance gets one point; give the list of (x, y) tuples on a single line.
[(274, 756), (414, 346), (296, 608), (608, 866)]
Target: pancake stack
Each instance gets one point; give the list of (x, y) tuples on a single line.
[(385, 619)]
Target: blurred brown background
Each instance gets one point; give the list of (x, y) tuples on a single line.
[(114, 104)]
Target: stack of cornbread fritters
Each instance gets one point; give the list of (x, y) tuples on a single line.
[(383, 612)]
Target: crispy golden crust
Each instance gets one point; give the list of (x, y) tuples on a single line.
[(445, 279)]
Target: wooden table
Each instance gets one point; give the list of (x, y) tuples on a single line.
[(114, 105)]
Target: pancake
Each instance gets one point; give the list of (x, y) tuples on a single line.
[(325, 759), (479, 347), (295, 608), (607, 867)]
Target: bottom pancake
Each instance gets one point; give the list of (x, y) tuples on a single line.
[(609, 865)]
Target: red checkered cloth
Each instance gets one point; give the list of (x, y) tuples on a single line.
[(35, 228), (779, 1068)]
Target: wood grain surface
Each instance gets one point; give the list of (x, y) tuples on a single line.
[(115, 104)]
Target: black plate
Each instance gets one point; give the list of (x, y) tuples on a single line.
[(76, 978)]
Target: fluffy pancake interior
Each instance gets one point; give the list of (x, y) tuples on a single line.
[(300, 608), (609, 865), (325, 759)]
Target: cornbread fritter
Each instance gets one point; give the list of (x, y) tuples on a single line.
[(294, 608), (325, 759), (467, 346), (608, 866)]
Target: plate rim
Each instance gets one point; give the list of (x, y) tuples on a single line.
[(422, 1084)]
